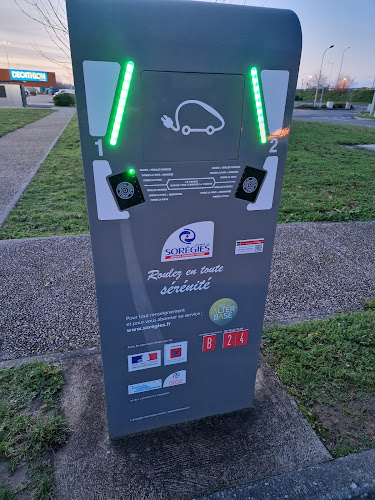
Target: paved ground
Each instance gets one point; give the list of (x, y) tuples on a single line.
[(47, 292), (341, 479), (40, 100), (183, 461), (23, 151), (341, 116)]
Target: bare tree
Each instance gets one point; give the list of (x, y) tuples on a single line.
[(317, 81), (344, 84), (51, 14)]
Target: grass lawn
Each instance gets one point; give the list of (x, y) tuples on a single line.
[(366, 116), (328, 366), (12, 119), (31, 429), (323, 181), (54, 202)]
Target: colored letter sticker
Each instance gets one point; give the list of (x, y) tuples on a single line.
[(229, 340), (241, 337), (209, 343)]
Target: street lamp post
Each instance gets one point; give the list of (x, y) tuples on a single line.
[(307, 87), (320, 75), (330, 75), (342, 60), (329, 83), (6, 44)]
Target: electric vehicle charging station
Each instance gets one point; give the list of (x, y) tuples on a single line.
[(184, 112)]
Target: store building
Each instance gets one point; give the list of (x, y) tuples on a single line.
[(28, 78)]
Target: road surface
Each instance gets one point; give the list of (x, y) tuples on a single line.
[(340, 116)]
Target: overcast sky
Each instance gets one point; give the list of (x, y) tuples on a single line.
[(340, 22)]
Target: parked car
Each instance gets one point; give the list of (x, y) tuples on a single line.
[(30, 90), (66, 91)]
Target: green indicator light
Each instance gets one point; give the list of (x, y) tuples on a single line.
[(131, 171), (121, 103), (259, 105)]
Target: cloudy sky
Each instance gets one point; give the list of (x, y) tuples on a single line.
[(343, 23)]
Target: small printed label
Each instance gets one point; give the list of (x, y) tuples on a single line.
[(249, 246), (144, 360), (145, 386), (209, 343), (175, 353), (176, 378)]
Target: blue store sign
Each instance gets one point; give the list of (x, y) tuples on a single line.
[(23, 74)]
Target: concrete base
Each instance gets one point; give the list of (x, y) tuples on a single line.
[(180, 462)]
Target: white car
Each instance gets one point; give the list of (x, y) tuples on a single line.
[(66, 91)]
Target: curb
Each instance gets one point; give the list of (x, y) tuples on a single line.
[(365, 119), (54, 357), (343, 478), (22, 189)]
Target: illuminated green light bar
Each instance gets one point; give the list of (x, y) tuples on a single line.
[(259, 105), (121, 103)]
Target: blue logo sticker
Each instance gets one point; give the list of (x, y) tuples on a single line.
[(187, 236)]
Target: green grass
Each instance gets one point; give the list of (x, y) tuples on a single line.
[(366, 115), (12, 119), (328, 366), (31, 425), (358, 96), (54, 202), (324, 181)]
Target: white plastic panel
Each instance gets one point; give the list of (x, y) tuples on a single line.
[(265, 197), (275, 88), (100, 85), (105, 202)]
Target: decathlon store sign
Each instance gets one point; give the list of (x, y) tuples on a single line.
[(23, 74)]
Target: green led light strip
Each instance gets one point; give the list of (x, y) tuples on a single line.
[(259, 105), (121, 103)]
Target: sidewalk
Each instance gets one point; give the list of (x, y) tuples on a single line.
[(18, 168), (47, 288)]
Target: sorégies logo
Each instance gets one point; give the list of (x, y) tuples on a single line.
[(187, 236), (193, 241)]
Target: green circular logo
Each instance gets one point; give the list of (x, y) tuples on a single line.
[(223, 311)]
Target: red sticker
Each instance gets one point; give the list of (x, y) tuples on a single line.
[(241, 337), (176, 353), (229, 339), (209, 343)]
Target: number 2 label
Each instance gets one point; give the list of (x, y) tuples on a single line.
[(275, 142), (228, 340)]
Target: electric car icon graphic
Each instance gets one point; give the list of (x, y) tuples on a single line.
[(186, 130)]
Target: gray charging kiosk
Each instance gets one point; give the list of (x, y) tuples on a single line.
[(184, 112)]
